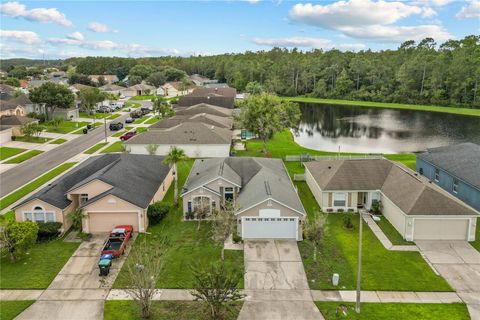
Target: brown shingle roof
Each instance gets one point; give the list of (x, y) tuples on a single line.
[(21, 100), (15, 120), (205, 92)]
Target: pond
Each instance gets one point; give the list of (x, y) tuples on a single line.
[(376, 130)]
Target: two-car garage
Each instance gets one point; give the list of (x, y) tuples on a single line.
[(269, 228), (106, 221), (441, 229)]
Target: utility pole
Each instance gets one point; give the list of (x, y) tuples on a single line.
[(105, 127), (359, 272)]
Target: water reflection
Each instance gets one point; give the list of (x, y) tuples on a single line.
[(374, 130)]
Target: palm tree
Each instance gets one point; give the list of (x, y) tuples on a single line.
[(172, 158)]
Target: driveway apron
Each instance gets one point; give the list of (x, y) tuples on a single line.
[(275, 282)]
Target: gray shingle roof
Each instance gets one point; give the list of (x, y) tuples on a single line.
[(135, 178), (410, 193), (462, 160), (21, 100), (260, 179), (185, 133), (204, 108), (15, 120), (222, 122)]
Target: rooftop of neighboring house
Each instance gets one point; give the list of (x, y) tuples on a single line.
[(410, 192), (216, 85), (222, 122), (15, 120), (111, 87), (178, 85), (206, 92), (259, 179), (134, 178), (141, 86), (204, 108), (107, 77), (185, 133), (79, 86), (461, 160), (21, 100), (6, 91)]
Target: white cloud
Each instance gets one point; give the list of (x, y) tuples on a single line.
[(27, 37), (141, 50), (252, 1), (398, 33), (44, 15), (76, 36), (7, 51), (318, 43), (99, 27), (471, 11)]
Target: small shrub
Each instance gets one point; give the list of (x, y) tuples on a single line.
[(48, 231), (84, 236), (189, 215), (157, 211), (340, 210), (376, 207), (236, 238), (347, 222)]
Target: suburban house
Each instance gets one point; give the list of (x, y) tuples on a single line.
[(67, 114), (141, 89), (197, 139), (112, 189), (200, 80), (112, 88), (456, 169), (416, 208), (267, 201), (108, 78), (223, 97), (216, 85), (174, 89), (75, 88), (14, 123), (15, 106), (221, 122), (203, 108)]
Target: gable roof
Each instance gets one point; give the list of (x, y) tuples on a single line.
[(185, 133), (6, 91), (21, 100), (221, 122), (204, 108), (141, 87), (15, 120), (207, 92), (111, 87), (135, 178), (260, 179), (461, 160), (413, 195)]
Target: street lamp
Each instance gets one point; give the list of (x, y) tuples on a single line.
[(105, 127), (359, 272)]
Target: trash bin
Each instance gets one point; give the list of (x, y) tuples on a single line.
[(89, 126), (106, 256), (85, 130), (104, 266), (335, 279)]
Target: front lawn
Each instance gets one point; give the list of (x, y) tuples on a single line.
[(140, 120), (152, 120), (96, 147), (114, 147), (6, 152), (396, 311), (131, 104), (97, 115), (10, 309), (187, 246), (58, 141), (25, 156), (65, 126), (164, 310), (140, 129), (38, 268), (147, 97), (119, 133), (114, 116), (32, 139), (392, 234), (26, 189)]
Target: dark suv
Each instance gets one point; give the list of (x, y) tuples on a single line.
[(116, 126)]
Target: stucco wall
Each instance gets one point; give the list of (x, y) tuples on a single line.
[(93, 188), (162, 190), (36, 202), (5, 135), (192, 151), (200, 192)]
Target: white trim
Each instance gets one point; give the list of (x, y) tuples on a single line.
[(264, 200), (296, 221), (204, 184)]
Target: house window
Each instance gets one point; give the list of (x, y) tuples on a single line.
[(214, 204), (339, 199), (228, 193), (189, 206), (28, 216), (50, 217), (455, 186), (83, 198), (437, 175)]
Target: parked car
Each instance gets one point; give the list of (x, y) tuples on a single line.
[(129, 120), (117, 240), (136, 114), (128, 135), (87, 128), (125, 231), (104, 109), (145, 110), (116, 126)]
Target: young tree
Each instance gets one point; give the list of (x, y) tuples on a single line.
[(172, 158), (152, 148), (314, 230), (143, 273), (17, 237), (56, 122), (30, 129), (185, 83), (163, 108), (54, 96), (76, 218), (89, 98), (217, 287), (266, 115), (254, 87), (224, 223)]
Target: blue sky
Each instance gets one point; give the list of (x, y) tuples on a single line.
[(61, 29)]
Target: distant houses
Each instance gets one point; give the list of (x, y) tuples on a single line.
[(223, 97), (107, 78)]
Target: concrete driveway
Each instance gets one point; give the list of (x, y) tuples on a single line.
[(77, 292), (275, 282), (459, 263)]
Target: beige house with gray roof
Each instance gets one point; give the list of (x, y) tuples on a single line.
[(418, 209)]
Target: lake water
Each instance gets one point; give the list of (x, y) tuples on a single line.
[(376, 130)]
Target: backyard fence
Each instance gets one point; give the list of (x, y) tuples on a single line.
[(299, 177)]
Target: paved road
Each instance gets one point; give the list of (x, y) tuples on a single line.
[(31, 169)]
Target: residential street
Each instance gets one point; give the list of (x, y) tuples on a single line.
[(31, 169)]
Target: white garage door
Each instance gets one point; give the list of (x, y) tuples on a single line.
[(106, 221), (269, 228), (440, 229)]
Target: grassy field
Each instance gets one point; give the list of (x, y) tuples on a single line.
[(6, 152), (97, 115), (396, 311), (114, 147), (96, 147), (32, 139), (392, 234), (187, 246), (152, 120), (119, 133), (58, 141), (452, 110), (114, 116), (164, 310), (10, 309), (26, 189), (147, 97), (36, 269), (141, 120), (66, 126), (131, 104), (476, 243), (25, 156)]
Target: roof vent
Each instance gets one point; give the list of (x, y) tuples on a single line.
[(198, 173), (267, 188), (329, 167)]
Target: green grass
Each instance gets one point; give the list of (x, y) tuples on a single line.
[(96, 147), (114, 147), (11, 309), (6, 152), (392, 234), (114, 116), (140, 120), (119, 133), (25, 156), (152, 120), (58, 141), (453, 110), (97, 115), (396, 311), (26, 189), (476, 243), (80, 131), (32, 139), (164, 310), (141, 129), (7, 217), (187, 246), (131, 104), (66, 126), (38, 268), (147, 97)]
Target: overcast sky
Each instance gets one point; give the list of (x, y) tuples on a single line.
[(61, 29)]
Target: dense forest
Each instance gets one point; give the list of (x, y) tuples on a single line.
[(419, 73)]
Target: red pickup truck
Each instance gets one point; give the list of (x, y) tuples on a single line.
[(117, 240)]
